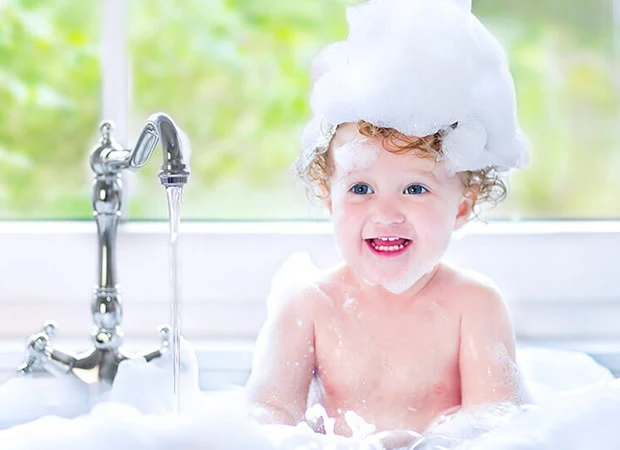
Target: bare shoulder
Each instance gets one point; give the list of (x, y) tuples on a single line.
[(487, 343), (336, 286), (473, 292), (302, 298), (298, 301)]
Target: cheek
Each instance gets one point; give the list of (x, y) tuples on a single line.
[(345, 216), (436, 222), (347, 221)]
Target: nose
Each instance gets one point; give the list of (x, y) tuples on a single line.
[(387, 213)]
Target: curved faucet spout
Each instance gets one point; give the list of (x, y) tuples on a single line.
[(175, 148), (107, 161)]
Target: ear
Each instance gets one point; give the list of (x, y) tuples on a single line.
[(324, 194), (328, 202), (466, 207)]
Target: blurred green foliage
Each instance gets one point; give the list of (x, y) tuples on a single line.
[(49, 107), (235, 75)]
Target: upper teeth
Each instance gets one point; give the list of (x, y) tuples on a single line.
[(386, 244)]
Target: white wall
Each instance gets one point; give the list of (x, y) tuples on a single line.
[(561, 279)]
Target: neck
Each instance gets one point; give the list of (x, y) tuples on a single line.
[(378, 291)]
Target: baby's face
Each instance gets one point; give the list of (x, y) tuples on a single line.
[(393, 214)]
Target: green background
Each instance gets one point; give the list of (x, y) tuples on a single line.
[(234, 75)]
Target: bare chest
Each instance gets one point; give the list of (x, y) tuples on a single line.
[(408, 358)]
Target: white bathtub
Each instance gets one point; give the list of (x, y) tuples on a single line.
[(131, 423)]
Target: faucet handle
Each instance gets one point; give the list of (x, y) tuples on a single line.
[(165, 336), (50, 328), (37, 347), (39, 340), (108, 156), (105, 129), (35, 350)]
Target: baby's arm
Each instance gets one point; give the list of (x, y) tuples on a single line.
[(284, 361), (489, 372)]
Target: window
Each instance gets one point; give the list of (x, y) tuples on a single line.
[(234, 75), (565, 60), (50, 90)]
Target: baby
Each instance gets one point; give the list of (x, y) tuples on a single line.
[(414, 124)]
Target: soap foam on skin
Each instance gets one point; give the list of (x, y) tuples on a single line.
[(356, 155), (410, 271), (406, 281)]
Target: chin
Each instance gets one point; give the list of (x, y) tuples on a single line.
[(401, 283)]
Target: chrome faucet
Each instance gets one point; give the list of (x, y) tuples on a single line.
[(107, 161)]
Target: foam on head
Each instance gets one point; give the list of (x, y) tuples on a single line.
[(419, 66), (355, 155)]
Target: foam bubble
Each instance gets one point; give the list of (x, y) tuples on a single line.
[(435, 65), (580, 418), (408, 278), (355, 155)]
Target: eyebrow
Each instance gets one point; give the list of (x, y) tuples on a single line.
[(429, 174), (424, 173)]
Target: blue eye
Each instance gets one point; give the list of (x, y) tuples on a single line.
[(415, 189), (361, 189)]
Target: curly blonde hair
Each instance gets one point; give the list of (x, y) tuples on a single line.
[(315, 169)]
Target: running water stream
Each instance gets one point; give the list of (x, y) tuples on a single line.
[(174, 194)]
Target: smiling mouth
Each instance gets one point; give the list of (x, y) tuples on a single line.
[(388, 245)]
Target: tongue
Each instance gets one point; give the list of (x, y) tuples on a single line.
[(382, 243)]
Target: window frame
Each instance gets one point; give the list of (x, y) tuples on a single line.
[(561, 281)]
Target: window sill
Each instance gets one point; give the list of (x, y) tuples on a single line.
[(319, 227), (559, 278)]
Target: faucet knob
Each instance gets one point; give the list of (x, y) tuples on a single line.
[(164, 335), (39, 343), (105, 129), (50, 328), (108, 157), (37, 348)]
